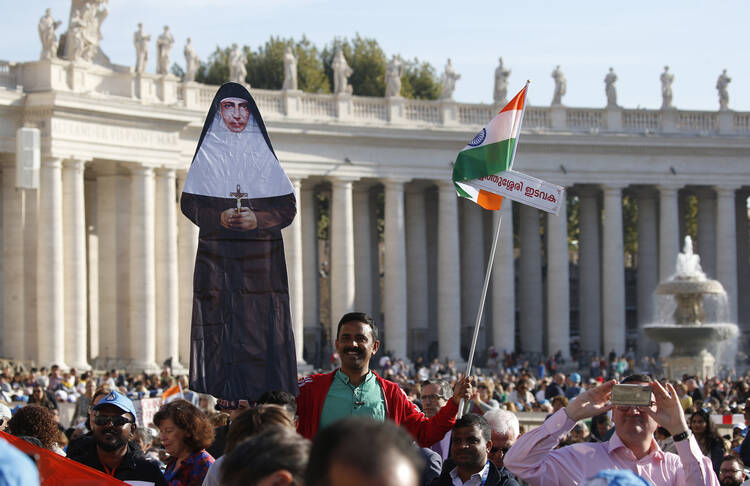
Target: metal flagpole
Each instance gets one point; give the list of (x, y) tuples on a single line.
[(481, 308)]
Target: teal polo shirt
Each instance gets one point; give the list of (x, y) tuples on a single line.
[(345, 400)]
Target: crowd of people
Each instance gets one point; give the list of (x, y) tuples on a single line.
[(395, 426)]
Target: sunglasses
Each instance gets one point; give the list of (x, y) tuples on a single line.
[(116, 420), (495, 450)]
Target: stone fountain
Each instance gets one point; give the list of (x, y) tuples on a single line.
[(691, 313)]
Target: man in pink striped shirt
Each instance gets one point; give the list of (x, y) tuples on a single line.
[(632, 446)]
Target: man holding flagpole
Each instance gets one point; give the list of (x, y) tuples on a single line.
[(483, 173)]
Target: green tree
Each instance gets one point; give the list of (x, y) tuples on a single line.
[(367, 60), (177, 70), (420, 81), (216, 70), (265, 68), (311, 76)]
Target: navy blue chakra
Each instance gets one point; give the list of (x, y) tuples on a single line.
[(479, 139)]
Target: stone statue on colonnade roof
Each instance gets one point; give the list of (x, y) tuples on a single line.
[(47, 27), (450, 76), (341, 73), (192, 61), (666, 88), (164, 44), (290, 70), (721, 85), (141, 40), (84, 31), (393, 72), (609, 88), (561, 86), (500, 95), (237, 69)]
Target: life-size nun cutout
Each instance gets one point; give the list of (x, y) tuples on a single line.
[(238, 194)]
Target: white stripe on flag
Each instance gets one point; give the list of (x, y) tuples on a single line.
[(522, 188), (504, 126)]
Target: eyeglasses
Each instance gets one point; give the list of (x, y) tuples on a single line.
[(729, 471), (116, 420), (433, 397), (495, 450)]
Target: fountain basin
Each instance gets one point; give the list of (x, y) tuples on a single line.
[(690, 340)]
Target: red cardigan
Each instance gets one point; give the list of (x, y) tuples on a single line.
[(313, 390)]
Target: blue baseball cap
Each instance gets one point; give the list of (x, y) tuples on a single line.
[(575, 378), (118, 400)]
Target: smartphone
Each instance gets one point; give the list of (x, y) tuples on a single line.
[(633, 395)]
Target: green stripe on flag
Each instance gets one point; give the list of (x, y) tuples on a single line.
[(483, 161), (461, 192)]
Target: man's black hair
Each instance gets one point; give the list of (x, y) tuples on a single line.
[(278, 397), (474, 420), (275, 448), (358, 317), (362, 444), (637, 378), (730, 457)]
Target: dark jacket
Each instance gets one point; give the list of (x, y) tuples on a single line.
[(495, 477), (134, 466)]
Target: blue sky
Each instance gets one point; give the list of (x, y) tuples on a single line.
[(697, 39)]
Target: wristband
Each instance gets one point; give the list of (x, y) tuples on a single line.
[(681, 436)]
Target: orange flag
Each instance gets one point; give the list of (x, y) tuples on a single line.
[(56, 470)]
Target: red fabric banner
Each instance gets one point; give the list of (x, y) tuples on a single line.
[(56, 470)]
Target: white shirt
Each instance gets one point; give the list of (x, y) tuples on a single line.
[(476, 479)]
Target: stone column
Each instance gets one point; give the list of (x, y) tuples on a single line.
[(530, 281), (395, 269), (613, 275), (449, 274), (363, 273), (74, 245), (558, 283), (743, 265), (648, 266), (292, 235), (589, 276), (92, 265), (142, 278), (669, 230), (310, 296), (14, 307), (707, 230), (50, 266), (187, 248), (167, 271), (416, 269), (726, 247), (342, 252), (109, 284), (473, 267), (503, 298)]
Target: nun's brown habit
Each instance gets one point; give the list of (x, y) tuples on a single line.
[(241, 336)]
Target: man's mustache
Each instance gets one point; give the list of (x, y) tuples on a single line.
[(354, 350)]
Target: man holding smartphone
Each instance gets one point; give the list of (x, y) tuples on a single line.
[(632, 446)]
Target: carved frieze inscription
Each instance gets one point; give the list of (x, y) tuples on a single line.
[(116, 135)]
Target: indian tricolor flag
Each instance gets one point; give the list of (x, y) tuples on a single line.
[(490, 152)]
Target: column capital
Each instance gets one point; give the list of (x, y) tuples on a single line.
[(74, 163), (444, 184), (52, 162), (395, 182), (166, 172), (141, 170), (342, 181), (668, 187), (726, 189), (614, 186)]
